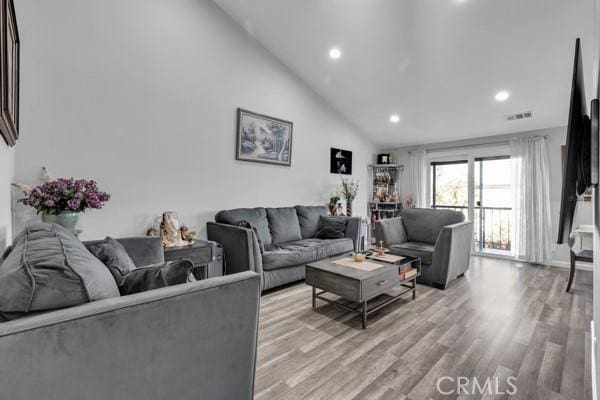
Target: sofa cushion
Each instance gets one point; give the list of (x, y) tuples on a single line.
[(283, 225), (248, 225), (331, 227), (308, 216), (424, 224), (415, 249), (49, 268), (255, 216), (113, 255), (304, 251), (156, 276)]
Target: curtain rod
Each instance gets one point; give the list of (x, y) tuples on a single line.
[(466, 146)]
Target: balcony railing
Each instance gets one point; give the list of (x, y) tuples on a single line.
[(492, 226)]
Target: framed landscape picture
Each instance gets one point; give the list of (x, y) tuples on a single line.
[(340, 161), (263, 139), (9, 73)]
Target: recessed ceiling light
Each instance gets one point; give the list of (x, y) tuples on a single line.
[(335, 53), (502, 95), (395, 118)]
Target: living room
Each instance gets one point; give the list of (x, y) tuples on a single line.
[(323, 199)]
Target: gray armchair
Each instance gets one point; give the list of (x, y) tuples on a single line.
[(442, 238), (189, 341)]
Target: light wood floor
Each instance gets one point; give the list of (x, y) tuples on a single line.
[(502, 319)]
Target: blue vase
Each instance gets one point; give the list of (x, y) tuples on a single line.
[(66, 219)]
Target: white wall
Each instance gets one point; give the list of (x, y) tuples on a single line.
[(556, 137), (6, 178), (141, 95)]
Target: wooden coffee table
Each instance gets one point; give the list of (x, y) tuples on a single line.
[(367, 287)]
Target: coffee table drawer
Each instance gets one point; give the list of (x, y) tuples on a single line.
[(345, 287), (378, 284)]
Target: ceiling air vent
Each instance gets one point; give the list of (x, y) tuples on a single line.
[(518, 116)]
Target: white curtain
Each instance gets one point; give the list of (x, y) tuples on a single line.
[(417, 174), (532, 226)]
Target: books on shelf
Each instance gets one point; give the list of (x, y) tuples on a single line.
[(408, 273)]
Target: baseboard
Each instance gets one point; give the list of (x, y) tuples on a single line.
[(583, 266)]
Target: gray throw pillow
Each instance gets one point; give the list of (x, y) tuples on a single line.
[(248, 225), (309, 216), (156, 276), (331, 228), (113, 255), (49, 268)]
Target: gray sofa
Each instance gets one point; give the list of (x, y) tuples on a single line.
[(277, 242), (442, 238), (189, 341)]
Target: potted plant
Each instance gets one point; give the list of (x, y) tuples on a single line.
[(349, 190), (60, 201)]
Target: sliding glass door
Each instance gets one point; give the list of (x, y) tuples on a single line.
[(492, 211), (480, 188)]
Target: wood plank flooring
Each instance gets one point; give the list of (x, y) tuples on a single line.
[(503, 319)]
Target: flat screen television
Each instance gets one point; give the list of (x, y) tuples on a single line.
[(577, 164)]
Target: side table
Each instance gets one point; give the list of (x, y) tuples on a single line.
[(206, 256)]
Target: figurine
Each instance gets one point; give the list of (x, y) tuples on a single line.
[(169, 230), (186, 234), (152, 231)]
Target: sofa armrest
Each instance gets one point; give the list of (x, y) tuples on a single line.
[(391, 231), (452, 252), (150, 345), (353, 230), (240, 247)]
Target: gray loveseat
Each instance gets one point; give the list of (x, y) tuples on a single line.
[(442, 238), (189, 341), (277, 242)]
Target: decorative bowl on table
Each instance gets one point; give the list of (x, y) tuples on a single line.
[(359, 257)]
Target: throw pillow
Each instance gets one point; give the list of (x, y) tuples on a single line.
[(248, 225), (156, 276), (331, 228), (49, 268), (113, 255)]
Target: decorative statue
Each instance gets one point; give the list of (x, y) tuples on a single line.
[(187, 235), (169, 230)]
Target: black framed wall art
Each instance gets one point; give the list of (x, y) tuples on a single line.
[(9, 73), (264, 139), (340, 161)]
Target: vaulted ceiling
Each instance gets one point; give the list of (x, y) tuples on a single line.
[(438, 64)]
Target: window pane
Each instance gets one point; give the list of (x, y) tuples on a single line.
[(451, 185)]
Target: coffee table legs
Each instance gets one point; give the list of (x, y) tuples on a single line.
[(364, 315), (314, 297)]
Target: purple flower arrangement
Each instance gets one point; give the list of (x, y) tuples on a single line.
[(62, 194)]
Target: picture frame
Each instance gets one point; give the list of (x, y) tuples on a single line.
[(9, 73), (263, 139), (340, 161)]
